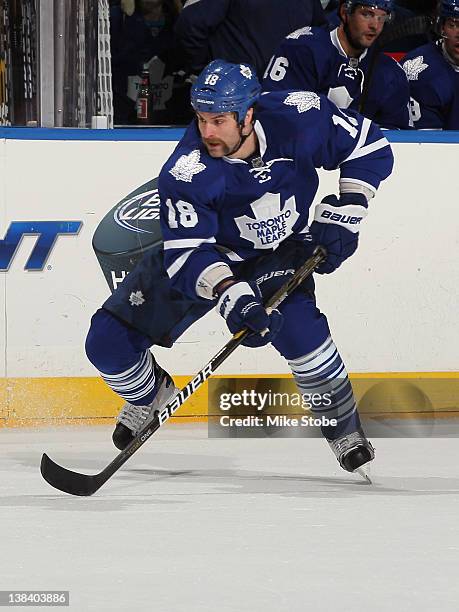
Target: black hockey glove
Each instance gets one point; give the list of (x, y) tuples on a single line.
[(336, 227), (241, 306)]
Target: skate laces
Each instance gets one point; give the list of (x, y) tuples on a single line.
[(136, 417)]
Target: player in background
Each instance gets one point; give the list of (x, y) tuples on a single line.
[(240, 30), (433, 74), (235, 199), (341, 64)]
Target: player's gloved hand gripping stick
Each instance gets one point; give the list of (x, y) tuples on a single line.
[(240, 304), (76, 483)]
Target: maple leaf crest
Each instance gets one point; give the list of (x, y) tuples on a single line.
[(301, 32), (303, 100), (187, 166), (414, 67), (270, 224), (136, 298)]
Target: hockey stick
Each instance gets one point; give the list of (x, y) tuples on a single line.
[(76, 483)]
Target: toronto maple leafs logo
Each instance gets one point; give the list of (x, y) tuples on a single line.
[(301, 32), (414, 67), (136, 298), (303, 100), (246, 72), (271, 224), (187, 166)]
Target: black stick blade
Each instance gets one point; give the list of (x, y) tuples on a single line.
[(68, 481)]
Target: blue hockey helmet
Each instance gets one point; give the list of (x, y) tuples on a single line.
[(226, 88), (384, 5), (448, 9)]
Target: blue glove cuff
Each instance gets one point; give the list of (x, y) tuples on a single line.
[(346, 199)]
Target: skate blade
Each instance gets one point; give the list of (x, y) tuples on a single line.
[(364, 473)]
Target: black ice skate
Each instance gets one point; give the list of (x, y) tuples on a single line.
[(353, 452), (132, 418)]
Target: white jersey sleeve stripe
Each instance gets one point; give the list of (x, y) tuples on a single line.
[(178, 263), (232, 256), (186, 243), (190, 3), (366, 124), (370, 148)]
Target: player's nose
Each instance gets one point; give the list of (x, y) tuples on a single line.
[(207, 130)]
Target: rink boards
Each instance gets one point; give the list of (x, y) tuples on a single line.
[(392, 308)]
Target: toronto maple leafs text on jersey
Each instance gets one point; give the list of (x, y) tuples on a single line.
[(434, 88), (313, 59), (216, 210)]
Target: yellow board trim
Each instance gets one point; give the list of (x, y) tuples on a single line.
[(50, 401)]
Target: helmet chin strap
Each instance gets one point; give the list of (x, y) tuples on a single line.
[(242, 139)]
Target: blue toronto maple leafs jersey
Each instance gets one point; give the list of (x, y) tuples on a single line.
[(229, 210), (434, 88), (313, 59)]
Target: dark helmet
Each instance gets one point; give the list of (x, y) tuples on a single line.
[(224, 88), (384, 5), (448, 8)]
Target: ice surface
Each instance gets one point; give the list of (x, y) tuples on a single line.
[(241, 525)]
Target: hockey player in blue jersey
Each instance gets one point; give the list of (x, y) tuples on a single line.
[(342, 65), (235, 199), (433, 74)]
